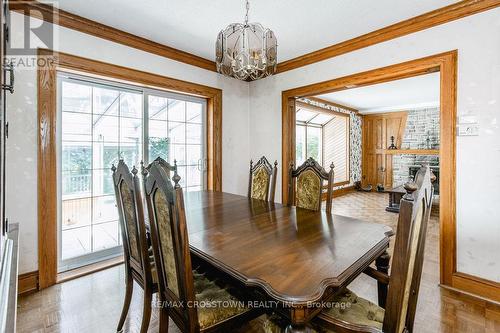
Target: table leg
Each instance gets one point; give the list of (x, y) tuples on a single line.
[(298, 321), (297, 329), (382, 264)]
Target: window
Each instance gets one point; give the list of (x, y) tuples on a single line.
[(176, 133), (102, 122), (323, 135), (308, 143), (336, 148)]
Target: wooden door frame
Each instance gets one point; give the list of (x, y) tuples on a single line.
[(446, 64), (48, 63)]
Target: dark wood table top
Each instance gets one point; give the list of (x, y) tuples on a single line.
[(293, 254)]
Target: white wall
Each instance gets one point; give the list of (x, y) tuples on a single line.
[(254, 111), (477, 39), (22, 201)]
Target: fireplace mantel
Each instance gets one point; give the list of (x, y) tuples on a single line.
[(412, 151)]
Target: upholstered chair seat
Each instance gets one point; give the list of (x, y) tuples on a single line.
[(351, 308), (209, 304), (347, 307), (225, 304), (351, 313)]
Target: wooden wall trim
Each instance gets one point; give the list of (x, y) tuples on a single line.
[(27, 283), (446, 64), (84, 25), (425, 21), (47, 175), (488, 303), (486, 289), (385, 74), (339, 192), (447, 160), (47, 115), (428, 20)]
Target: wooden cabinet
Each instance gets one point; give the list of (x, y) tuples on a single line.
[(377, 132)]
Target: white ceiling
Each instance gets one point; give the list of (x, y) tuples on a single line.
[(300, 26), (406, 94)]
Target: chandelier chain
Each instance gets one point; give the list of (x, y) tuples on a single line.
[(248, 8)]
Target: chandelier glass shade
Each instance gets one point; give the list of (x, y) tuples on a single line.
[(246, 51)]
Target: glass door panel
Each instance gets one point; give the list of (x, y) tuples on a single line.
[(101, 122), (99, 125), (176, 132)]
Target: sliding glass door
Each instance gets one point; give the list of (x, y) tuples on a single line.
[(176, 132), (101, 122)]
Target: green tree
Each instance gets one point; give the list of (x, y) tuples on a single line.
[(313, 147), (159, 147)]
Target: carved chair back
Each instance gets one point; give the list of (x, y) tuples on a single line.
[(165, 165), (131, 216), (415, 209), (262, 180), (305, 185), (170, 244)]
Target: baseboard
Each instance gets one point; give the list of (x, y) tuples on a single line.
[(455, 293), (483, 288), (343, 191), (339, 192), (27, 283)]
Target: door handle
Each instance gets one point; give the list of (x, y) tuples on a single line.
[(199, 164), (9, 68)]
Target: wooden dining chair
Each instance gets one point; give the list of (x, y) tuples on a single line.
[(262, 180), (404, 281), (138, 256), (182, 290), (305, 185), (165, 165)]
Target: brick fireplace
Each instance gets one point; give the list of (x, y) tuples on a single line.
[(421, 132)]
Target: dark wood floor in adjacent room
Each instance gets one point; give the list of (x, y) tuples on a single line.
[(93, 303)]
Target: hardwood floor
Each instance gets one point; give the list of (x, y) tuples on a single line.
[(439, 310), (93, 303)]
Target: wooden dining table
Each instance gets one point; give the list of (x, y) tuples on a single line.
[(297, 258)]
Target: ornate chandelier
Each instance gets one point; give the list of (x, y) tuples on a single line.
[(246, 51)]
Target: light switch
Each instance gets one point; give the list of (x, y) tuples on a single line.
[(468, 130)]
